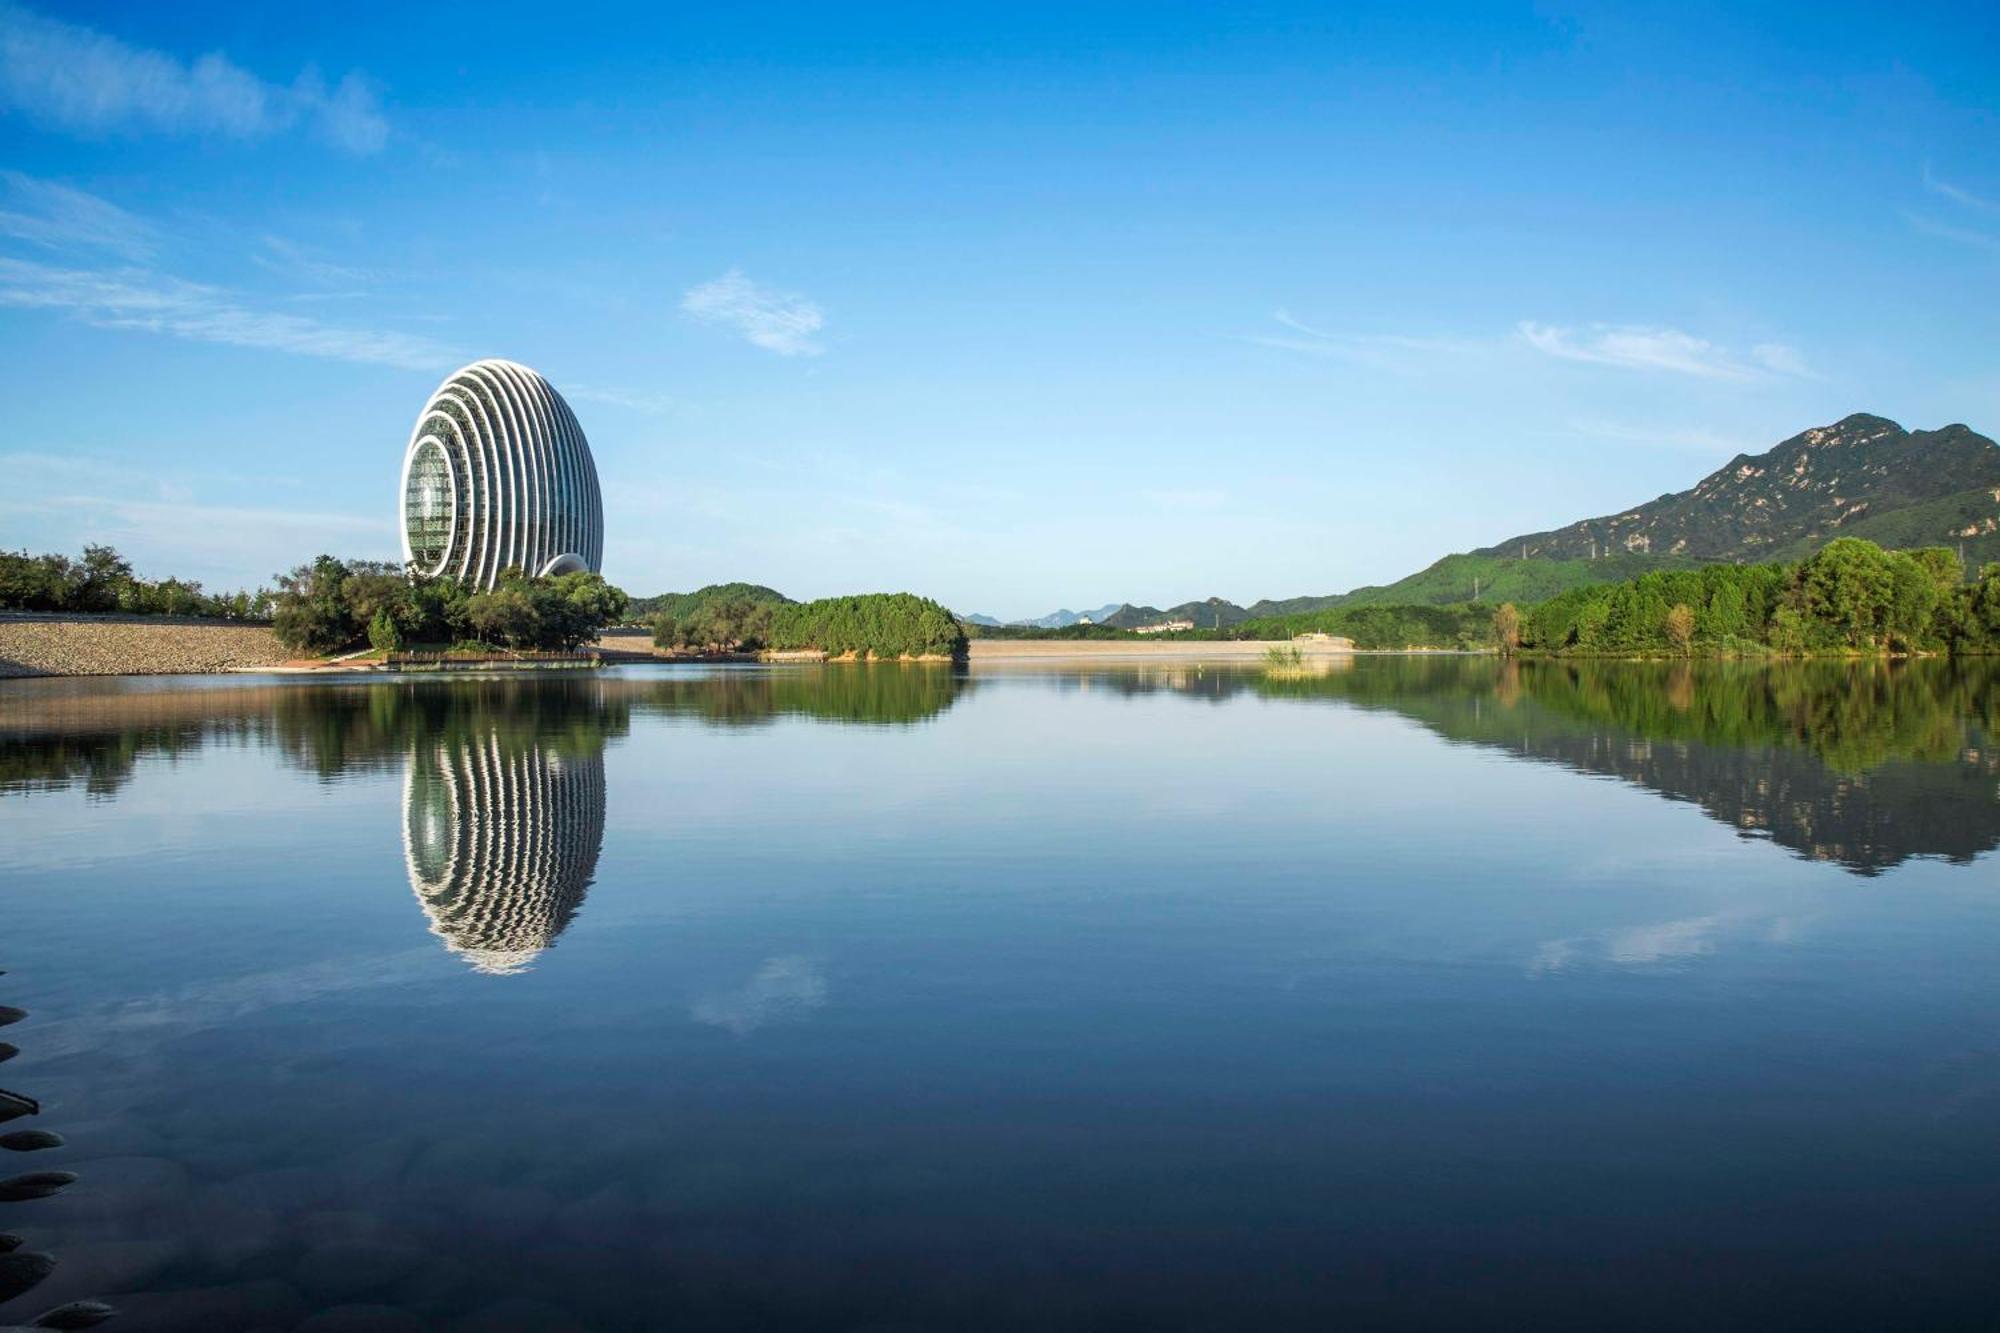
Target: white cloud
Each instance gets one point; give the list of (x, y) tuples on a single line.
[(782, 988), (781, 322), (83, 81), (137, 299), (348, 115), (59, 217), (1666, 942), (1663, 940), (1638, 347)]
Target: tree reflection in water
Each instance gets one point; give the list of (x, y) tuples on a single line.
[(1861, 763)]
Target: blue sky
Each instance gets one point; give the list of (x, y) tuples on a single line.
[(1013, 306)]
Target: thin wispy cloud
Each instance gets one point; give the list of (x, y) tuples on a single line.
[(1187, 497), (1949, 231), (1781, 359), (83, 81), (291, 259), (777, 321), (1696, 440), (1639, 347), (1632, 347), (165, 517), (1383, 351), (59, 217), (1958, 194), (139, 300), (651, 404), (1980, 235)]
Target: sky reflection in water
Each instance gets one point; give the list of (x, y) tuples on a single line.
[(1035, 999)]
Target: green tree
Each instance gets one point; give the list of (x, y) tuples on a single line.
[(100, 576), (505, 616), (311, 613), (1981, 619), (1725, 616), (384, 635), (1845, 593)]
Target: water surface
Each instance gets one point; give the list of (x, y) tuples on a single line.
[(1416, 993)]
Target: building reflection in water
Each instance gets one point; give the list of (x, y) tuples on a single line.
[(501, 835)]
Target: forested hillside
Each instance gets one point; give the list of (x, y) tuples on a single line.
[(1864, 476)]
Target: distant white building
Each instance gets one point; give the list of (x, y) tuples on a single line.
[(1164, 627)]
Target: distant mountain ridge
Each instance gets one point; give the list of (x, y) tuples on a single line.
[(1862, 476), (1210, 613), (1818, 485), (1062, 619)]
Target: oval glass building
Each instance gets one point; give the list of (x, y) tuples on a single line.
[(497, 474)]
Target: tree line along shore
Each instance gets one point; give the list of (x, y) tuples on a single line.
[(1850, 597), (332, 606)]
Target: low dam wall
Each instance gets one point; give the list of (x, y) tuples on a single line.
[(54, 645)]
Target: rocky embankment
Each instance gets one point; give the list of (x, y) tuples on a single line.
[(35, 645)]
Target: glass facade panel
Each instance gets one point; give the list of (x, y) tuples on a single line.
[(427, 506)]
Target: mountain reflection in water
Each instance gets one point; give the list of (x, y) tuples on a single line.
[(1862, 763), (1151, 997), (1866, 764)]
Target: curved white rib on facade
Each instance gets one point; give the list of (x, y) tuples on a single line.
[(501, 842), (497, 474)]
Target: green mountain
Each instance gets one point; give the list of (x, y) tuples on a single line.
[(1864, 476), (1213, 613), (680, 605), (1816, 486)]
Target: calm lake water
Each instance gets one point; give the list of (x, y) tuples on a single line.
[(1422, 993)]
